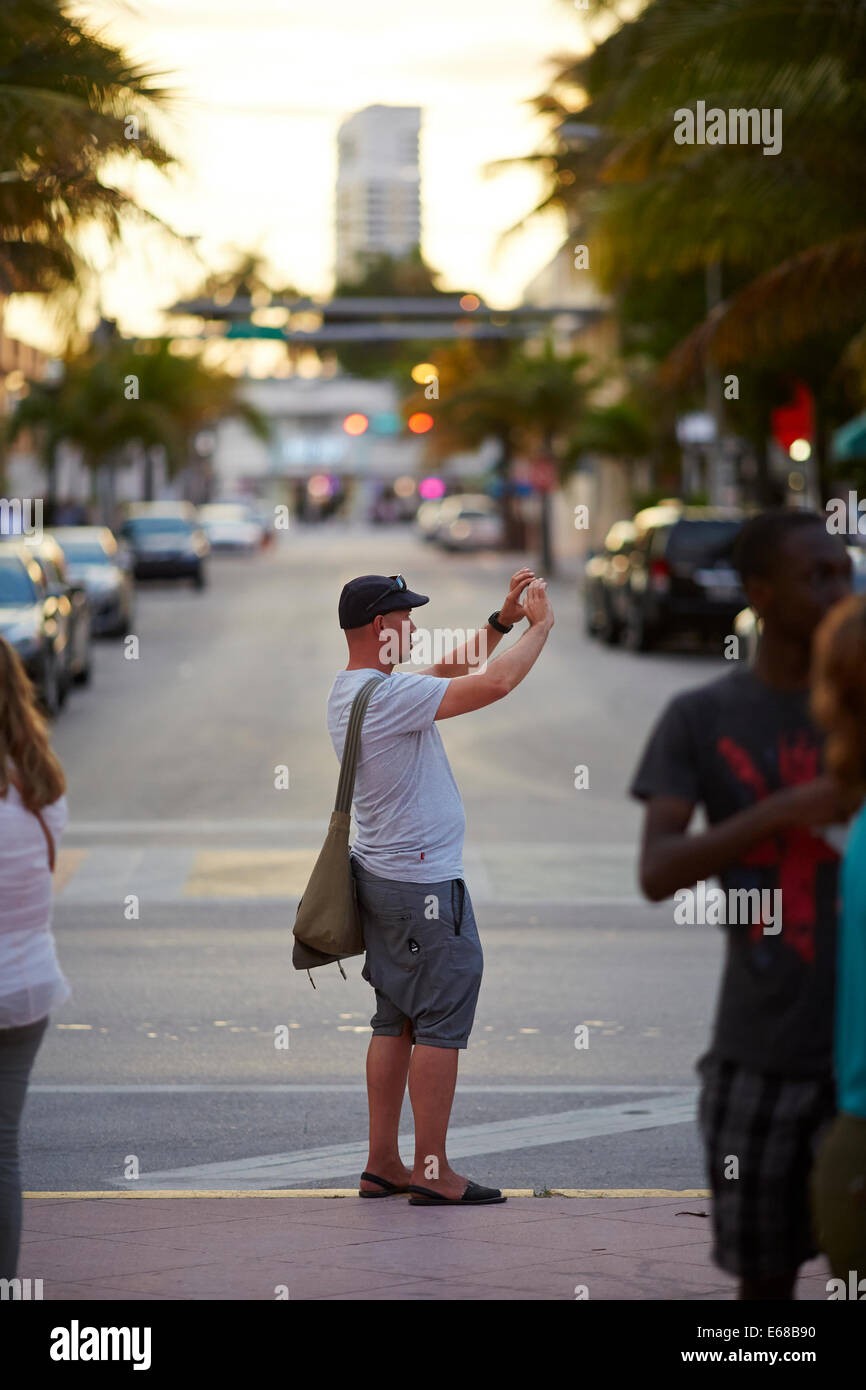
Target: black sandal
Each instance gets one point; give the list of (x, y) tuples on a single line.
[(390, 1188), (474, 1195)]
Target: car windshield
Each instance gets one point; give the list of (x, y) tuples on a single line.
[(222, 513), (155, 525), (696, 542), (16, 588), (84, 552)]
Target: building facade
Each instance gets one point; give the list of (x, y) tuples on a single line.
[(378, 185)]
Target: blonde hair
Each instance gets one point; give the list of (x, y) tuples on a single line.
[(24, 736), (839, 693)]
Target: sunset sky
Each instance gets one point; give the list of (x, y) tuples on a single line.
[(262, 88)]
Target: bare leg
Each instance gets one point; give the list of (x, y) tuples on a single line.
[(432, 1078), (387, 1069)]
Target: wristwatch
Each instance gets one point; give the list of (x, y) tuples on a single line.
[(494, 622)]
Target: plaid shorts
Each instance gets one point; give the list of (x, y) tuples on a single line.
[(772, 1126)]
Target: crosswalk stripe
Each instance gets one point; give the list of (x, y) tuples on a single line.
[(496, 1136), (553, 874)]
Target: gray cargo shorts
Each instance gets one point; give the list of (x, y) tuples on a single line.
[(424, 957)]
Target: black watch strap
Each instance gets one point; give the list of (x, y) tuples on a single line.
[(494, 622)]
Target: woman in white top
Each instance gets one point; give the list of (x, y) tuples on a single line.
[(32, 817)]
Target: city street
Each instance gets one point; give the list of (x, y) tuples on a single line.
[(165, 1054)]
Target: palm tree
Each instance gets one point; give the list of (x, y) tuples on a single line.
[(526, 401), (788, 231), (71, 107), (126, 393)]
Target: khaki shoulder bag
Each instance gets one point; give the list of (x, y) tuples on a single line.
[(328, 924)]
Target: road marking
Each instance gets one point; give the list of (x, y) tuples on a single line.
[(193, 868), (358, 1088), (353, 1192), (496, 1136), (115, 829)]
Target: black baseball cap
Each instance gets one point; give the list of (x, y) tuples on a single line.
[(370, 594)]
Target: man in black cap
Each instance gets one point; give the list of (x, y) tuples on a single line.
[(424, 956)]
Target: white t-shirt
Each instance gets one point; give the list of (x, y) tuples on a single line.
[(31, 981), (408, 810)]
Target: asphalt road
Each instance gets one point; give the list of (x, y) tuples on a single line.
[(183, 864)]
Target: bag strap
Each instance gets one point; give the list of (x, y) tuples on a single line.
[(352, 746), (49, 838)]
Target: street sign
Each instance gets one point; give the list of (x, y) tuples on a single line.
[(698, 427)]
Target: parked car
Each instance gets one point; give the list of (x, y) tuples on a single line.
[(427, 518), (167, 547), (230, 526), (470, 522), (72, 614), (747, 624), (680, 575), (604, 577), (29, 621), (184, 510), (94, 559), (264, 517)]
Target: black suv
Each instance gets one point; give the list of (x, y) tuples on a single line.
[(680, 575)]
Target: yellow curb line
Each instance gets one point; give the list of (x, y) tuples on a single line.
[(353, 1192), (628, 1192)]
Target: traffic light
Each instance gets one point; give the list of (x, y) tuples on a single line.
[(355, 423)]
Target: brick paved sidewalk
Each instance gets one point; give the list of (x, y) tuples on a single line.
[(118, 1247)]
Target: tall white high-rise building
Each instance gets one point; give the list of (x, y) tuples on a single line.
[(378, 185)]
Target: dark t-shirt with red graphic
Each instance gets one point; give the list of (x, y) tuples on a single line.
[(725, 746)]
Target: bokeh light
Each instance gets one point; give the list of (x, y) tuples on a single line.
[(431, 488), (420, 422)]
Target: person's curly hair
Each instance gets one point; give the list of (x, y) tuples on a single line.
[(839, 693)]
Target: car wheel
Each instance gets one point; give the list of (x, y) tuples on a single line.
[(50, 695), (637, 636), (199, 581), (64, 685), (609, 631), (84, 676)]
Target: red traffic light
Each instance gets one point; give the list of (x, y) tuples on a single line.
[(420, 422)]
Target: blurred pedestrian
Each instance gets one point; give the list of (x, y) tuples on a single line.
[(839, 1182), (423, 952), (744, 748), (32, 817)]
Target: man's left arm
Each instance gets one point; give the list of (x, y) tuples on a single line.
[(471, 655)]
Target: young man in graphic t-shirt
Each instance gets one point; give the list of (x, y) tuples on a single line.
[(744, 748), (423, 954)]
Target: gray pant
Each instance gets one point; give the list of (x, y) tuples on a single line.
[(18, 1049)]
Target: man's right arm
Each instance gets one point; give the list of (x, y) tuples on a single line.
[(672, 859), (499, 678)]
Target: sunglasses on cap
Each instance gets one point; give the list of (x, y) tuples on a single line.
[(397, 585)]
